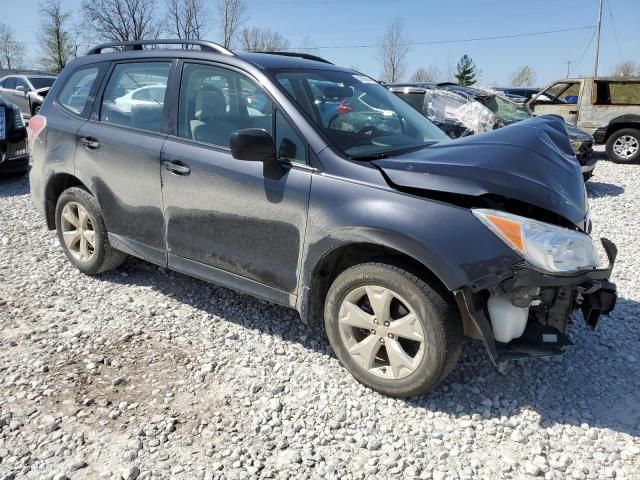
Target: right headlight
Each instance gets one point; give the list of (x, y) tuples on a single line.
[(548, 247)]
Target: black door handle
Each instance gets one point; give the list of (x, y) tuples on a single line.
[(90, 142), (573, 112), (176, 166)]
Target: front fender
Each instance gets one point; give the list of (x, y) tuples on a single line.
[(448, 240)]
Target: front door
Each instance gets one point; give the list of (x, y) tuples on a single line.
[(119, 153), (225, 221), (561, 98)]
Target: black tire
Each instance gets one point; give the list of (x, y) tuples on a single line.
[(104, 257), (437, 314), (587, 176), (35, 110), (628, 132)]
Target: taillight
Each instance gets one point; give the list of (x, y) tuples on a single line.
[(36, 125), (343, 108)]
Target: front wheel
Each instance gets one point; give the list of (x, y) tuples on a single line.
[(623, 146), (82, 233), (393, 331)]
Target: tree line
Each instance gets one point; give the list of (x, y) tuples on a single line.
[(62, 36)]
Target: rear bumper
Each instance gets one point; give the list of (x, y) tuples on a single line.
[(552, 299)]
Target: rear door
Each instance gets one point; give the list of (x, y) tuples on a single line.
[(68, 111), (118, 154), (611, 99)]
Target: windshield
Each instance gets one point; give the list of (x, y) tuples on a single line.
[(358, 116), (505, 110), (41, 82)]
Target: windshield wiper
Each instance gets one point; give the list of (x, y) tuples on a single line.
[(391, 153)]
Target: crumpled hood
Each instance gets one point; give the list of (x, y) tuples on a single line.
[(530, 161), (577, 134)]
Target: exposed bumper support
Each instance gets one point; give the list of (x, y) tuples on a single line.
[(591, 291)]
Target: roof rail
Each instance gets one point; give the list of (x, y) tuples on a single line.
[(204, 45), (306, 56)]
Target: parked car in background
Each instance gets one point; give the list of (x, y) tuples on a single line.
[(362, 223), (14, 158), (461, 111), (147, 95), (519, 95), (606, 107), (26, 91)]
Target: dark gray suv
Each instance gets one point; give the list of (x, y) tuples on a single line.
[(249, 170)]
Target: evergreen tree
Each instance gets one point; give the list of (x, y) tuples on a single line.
[(466, 74)]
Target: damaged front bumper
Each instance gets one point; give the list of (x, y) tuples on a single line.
[(549, 301)]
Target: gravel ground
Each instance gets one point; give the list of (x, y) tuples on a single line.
[(144, 373)]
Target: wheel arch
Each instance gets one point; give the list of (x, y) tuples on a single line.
[(323, 272), (57, 184), (623, 121)]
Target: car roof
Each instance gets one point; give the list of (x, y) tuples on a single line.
[(274, 61), (453, 87), (263, 61)]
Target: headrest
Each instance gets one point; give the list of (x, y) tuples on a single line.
[(210, 104)]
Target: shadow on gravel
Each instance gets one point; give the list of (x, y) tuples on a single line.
[(12, 186), (596, 382), (599, 189)]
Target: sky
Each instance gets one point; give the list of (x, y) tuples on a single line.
[(339, 26)]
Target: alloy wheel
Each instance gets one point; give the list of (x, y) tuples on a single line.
[(77, 232), (381, 332), (626, 146)]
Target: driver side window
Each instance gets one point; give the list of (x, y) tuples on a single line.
[(215, 102)]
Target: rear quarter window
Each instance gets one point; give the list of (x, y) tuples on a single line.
[(624, 93), (77, 90)]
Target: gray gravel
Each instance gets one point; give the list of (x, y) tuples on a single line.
[(144, 373)]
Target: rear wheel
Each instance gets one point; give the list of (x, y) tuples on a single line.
[(394, 332), (82, 233), (623, 146)]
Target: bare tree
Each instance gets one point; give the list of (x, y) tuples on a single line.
[(187, 18), (524, 76), (308, 46), (121, 20), (12, 52), (392, 51), (231, 15), (56, 40), (626, 69), (429, 74), (256, 39)]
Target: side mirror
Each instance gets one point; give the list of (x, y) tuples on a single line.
[(256, 145), (19, 88)]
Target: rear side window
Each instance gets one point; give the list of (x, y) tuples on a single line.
[(21, 83), (624, 93), (134, 95), (75, 93)]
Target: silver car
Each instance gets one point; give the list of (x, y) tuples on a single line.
[(26, 91)]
